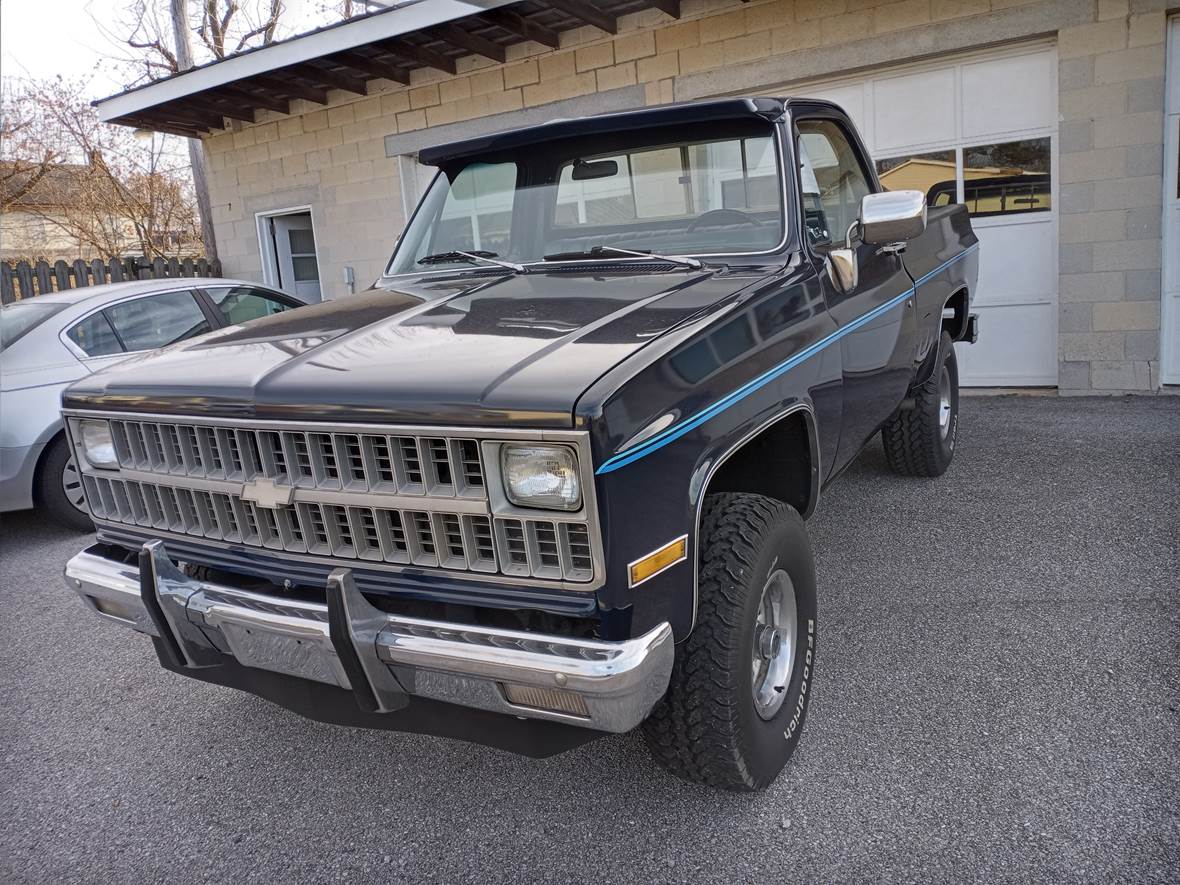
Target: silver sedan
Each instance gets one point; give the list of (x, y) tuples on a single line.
[(50, 341)]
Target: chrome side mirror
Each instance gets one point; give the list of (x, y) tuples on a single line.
[(892, 218)]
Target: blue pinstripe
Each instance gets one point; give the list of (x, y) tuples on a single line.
[(661, 439)]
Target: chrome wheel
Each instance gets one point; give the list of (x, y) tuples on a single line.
[(944, 402), (71, 483), (776, 633)]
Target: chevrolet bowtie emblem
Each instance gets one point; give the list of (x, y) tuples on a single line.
[(267, 493)]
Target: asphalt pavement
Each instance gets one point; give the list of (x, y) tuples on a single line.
[(996, 698)]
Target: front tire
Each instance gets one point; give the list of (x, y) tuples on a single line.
[(59, 488), (741, 682), (921, 441)]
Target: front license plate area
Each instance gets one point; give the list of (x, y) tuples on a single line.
[(282, 653)]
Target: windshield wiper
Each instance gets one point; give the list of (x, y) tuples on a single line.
[(478, 255), (600, 252)]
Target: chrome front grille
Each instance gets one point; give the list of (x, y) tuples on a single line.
[(362, 462), (413, 499)]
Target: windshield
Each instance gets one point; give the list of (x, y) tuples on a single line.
[(23, 316), (643, 191)]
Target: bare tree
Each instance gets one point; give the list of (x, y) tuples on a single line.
[(158, 35), (111, 192), (25, 160)]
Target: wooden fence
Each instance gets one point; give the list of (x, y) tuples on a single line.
[(24, 280)]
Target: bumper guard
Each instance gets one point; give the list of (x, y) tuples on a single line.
[(381, 658)]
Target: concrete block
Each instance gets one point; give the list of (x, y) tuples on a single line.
[(1075, 73), (486, 82), (328, 138), (1075, 258), (1127, 193), (1077, 197), (1120, 374), (1127, 316), (629, 47), (1092, 39), (1144, 224), (1147, 159), (424, 96), (1093, 101), (658, 67), (678, 36), (842, 28), (1144, 285), (454, 90), (768, 16), (408, 121), (1129, 64), (1128, 255), (899, 16), (810, 9), (589, 58), (748, 48), (1075, 317), (1108, 9), (1129, 129), (521, 74), (723, 27), (341, 115), (1076, 136), (616, 76), (1073, 376), (1147, 29), (801, 35), (1093, 227), (944, 9), (1143, 345), (1094, 165), (1103, 285), (1145, 95), (394, 103), (1090, 346), (702, 58)]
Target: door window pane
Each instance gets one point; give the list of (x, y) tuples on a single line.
[(1007, 179), (833, 181), (241, 304), (302, 241), (147, 323), (933, 174), (95, 336), (304, 268)]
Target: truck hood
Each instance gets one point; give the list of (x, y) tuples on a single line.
[(470, 348)]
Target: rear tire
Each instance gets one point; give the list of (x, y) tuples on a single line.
[(740, 685), (59, 486), (921, 441)]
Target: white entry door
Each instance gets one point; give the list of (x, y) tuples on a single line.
[(1170, 353), (979, 129), (294, 243)]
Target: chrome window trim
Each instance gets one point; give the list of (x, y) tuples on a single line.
[(492, 505), (75, 350), (802, 406)]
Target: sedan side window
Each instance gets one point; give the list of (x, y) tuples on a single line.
[(240, 304), (95, 336), (833, 181), (157, 320)]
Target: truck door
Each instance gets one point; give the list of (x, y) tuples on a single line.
[(876, 316)]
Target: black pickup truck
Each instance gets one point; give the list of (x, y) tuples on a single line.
[(549, 478)]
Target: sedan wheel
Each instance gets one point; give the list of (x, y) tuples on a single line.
[(71, 484)]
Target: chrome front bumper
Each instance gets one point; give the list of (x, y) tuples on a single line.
[(381, 658)]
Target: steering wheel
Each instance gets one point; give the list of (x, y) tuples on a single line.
[(722, 216)]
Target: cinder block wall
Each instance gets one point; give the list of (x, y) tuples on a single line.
[(1111, 80)]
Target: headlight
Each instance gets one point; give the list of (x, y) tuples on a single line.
[(97, 444), (541, 476)]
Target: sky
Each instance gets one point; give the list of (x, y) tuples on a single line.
[(31, 31)]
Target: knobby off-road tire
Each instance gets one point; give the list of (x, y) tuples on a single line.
[(710, 726), (921, 441), (51, 494)]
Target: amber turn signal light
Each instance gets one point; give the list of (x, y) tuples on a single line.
[(655, 562)]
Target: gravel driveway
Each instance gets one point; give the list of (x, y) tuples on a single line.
[(997, 698)]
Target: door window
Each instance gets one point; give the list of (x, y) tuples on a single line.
[(833, 182), (157, 320), (95, 336), (240, 304)]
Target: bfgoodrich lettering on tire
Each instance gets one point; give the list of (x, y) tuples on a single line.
[(742, 680)]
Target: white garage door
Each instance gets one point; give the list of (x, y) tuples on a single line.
[(979, 129)]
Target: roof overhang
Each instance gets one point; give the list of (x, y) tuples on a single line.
[(387, 44)]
